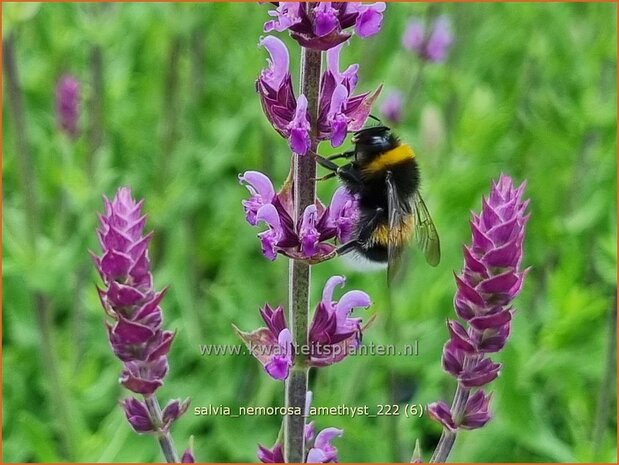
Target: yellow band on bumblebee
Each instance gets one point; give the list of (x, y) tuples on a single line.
[(391, 157)]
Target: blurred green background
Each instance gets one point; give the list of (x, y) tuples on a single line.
[(169, 108)]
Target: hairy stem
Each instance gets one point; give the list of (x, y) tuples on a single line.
[(304, 172), (164, 437), (448, 438)]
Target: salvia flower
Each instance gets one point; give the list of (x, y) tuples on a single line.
[(491, 279), (319, 447), (135, 331), (67, 104), (333, 333), (340, 111), (323, 25), (307, 239), (287, 115), (431, 45), (391, 107)]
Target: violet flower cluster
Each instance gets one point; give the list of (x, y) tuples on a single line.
[(491, 279), (305, 240), (333, 333), (133, 305), (432, 44), (340, 111), (67, 103), (318, 446), (324, 25)]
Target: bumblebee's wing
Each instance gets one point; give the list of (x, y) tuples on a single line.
[(397, 213), (424, 232)]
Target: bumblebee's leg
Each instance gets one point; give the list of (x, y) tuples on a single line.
[(364, 233), (326, 176), (347, 154), (326, 163)]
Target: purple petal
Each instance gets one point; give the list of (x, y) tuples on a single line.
[(308, 235), (441, 412), (278, 64), (350, 300), (370, 20), (325, 19), (299, 128), (327, 293)]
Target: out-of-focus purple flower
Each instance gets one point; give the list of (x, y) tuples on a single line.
[(188, 454), (432, 45), (323, 451), (287, 115), (340, 112), (414, 36), (307, 239), (333, 333), (489, 282), (391, 107), (323, 25), (67, 104)]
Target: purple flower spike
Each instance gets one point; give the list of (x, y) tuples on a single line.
[(489, 282), (67, 103), (324, 26), (392, 106), (135, 320), (136, 335)]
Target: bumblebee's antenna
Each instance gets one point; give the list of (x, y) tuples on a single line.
[(375, 119)]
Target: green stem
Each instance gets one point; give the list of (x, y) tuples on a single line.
[(163, 436), (448, 438), (304, 172), (57, 390)]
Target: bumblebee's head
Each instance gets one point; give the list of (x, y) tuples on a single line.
[(370, 142)]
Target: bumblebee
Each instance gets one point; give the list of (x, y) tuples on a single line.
[(384, 175)]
